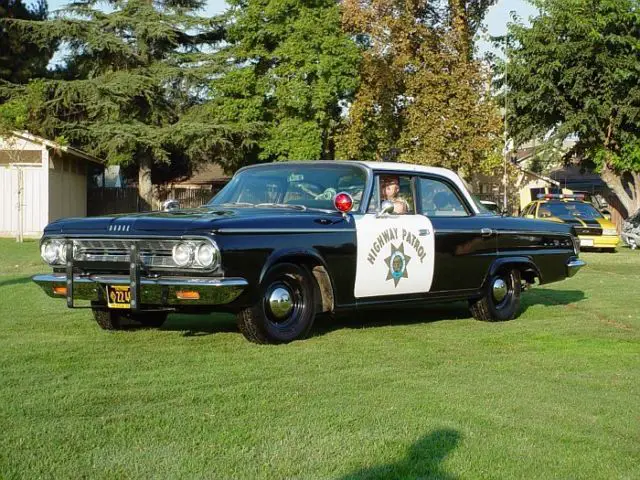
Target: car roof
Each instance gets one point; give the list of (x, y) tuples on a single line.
[(389, 166)]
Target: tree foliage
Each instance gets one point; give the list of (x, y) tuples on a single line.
[(422, 97), (21, 60), (575, 72), (289, 67), (129, 74)]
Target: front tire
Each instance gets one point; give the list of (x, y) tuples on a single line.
[(108, 319), (501, 300), (285, 310)]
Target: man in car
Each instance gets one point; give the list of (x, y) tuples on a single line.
[(389, 190)]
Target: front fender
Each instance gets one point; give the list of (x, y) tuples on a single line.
[(291, 254)]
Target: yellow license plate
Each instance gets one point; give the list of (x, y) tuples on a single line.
[(118, 296)]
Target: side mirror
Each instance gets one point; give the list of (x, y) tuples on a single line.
[(170, 204), (386, 208)]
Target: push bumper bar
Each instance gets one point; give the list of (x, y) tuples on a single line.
[(573, 265), (156, 291)]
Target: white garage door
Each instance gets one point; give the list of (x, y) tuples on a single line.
[(26, 187)]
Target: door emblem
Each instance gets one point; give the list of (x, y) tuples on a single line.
[(397, 263)]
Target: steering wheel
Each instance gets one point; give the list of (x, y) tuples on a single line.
[(311, 189)]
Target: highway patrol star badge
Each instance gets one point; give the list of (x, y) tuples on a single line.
[(397, 263)]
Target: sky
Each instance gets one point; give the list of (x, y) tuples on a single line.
[(496, 19)]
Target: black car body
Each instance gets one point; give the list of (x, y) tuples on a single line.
[(284, 242)]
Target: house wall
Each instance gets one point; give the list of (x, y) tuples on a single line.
[(67, 187)]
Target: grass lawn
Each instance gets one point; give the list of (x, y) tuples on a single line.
[(413, 394)]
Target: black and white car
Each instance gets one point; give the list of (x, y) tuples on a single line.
[(284, 242)]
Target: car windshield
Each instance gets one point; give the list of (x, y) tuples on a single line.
[(568, 210), (293, 185)]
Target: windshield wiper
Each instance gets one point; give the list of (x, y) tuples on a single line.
[(282, 205)]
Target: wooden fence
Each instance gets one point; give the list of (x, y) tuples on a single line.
[(107, 201)]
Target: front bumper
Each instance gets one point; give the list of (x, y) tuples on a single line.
[(573, 265), (153, 291), (599, 241)]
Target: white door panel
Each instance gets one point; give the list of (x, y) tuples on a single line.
[(395, 255)]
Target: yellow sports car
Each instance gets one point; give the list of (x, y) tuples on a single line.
[(593, 229)]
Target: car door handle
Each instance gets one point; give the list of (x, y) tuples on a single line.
[(486, 232)]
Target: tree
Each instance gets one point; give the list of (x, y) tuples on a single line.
[(575, 72), (422, 98), (21, 60), (289, 68), (130, 73)]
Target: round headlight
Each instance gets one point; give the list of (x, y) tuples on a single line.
[(183, 254), (207, 255), (50, 251)]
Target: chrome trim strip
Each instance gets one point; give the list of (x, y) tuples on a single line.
[(532, 232), (283, 230)]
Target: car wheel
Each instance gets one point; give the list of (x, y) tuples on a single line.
[(286, 308), (501, 300), (105, 318)]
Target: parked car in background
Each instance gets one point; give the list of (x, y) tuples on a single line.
[(593, 229), (281, 243), (631, 231)]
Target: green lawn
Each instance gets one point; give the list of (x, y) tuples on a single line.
[(414, 394)]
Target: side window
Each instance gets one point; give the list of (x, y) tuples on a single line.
[(394, 188), (437, 199)]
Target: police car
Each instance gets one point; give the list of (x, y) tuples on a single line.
[(593, 229), (282, 243)]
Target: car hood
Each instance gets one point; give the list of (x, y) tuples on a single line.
[(197, 220)]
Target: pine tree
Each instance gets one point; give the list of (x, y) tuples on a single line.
[(21, 60), (131, 71)]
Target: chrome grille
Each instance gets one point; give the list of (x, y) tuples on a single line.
[(152, 253)]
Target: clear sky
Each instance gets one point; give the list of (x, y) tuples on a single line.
[(496, 19)]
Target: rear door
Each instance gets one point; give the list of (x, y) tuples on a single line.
[(465, 242)]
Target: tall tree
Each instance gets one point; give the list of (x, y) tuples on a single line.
[(422, 97), (131, 70), (575, 71), (289, 68), (21, 60)]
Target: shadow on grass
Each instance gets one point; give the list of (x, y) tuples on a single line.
[(423, 460), (550, 297), (15, 281), (198, 325)]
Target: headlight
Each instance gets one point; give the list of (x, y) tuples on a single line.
[(609, 231), (53, 252), (183, 254), (207, 255)]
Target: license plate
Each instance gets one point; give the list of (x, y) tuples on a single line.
[(118, 296), (586, 243)]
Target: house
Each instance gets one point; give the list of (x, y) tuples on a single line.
[(41, 181)]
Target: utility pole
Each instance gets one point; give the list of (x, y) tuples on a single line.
[(506, 120)]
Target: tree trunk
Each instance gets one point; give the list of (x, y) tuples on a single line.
[(629, 197), (145, 186)]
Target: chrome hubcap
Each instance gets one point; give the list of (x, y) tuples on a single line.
[(499, 289), (280, 302)]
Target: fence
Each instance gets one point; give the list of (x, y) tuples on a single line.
[(107, 201)]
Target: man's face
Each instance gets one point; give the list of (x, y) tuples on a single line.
[(390, 187)]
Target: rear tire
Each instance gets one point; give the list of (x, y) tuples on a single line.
[(493, 307), (266, 322)]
